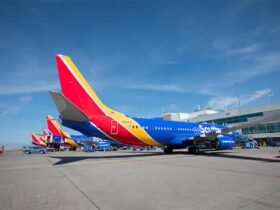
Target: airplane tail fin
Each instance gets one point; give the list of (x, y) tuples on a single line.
[(45, 132), (75, 88), (36, 140), (54, 127), (43, 139)]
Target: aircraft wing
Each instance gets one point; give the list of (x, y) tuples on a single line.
[(86, 142), (210, 136), (182, 138), (256, 122), (214, 134)]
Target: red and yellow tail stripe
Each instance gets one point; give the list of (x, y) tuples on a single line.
[(54, 128), (37, 141), (71, 142), (45, 132), (77, 90)]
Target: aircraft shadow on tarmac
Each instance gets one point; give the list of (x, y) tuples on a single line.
[(70, 159)]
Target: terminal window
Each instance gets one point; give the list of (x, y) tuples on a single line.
[(264, 128), (237, 119)]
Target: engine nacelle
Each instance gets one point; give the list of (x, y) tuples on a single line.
[(224, 142)]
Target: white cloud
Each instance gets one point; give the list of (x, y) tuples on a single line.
[(157, 87), (256, 95), (243, 50), (261, 64), (222, 102), (13, 108), (252, 58), (230, 48), (229, 102), (26, 88), (25, 99), (10, 110)]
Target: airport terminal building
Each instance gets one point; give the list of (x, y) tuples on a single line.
[(263, 133)]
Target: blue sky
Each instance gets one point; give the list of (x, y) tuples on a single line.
[(141, 57)]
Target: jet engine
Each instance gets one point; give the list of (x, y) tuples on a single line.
[(224, 142)]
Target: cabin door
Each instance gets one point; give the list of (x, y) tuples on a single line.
[(114, 127)]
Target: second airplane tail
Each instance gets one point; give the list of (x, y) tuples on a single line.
[(54, 128), (36, 140), (45, 132)]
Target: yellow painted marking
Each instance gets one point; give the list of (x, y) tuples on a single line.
[(71, 142)]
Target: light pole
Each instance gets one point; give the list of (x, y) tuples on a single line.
[(236, 84)]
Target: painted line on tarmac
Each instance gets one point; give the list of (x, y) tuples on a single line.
[(258, 200), (66, 177)]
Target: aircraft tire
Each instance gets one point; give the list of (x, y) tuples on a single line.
[(193, 150), (217, 144), (190, 150), (196, 150), (168, 150)]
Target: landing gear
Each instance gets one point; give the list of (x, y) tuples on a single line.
[(217, 144), (194, 150), (168, 150), (72, 148)]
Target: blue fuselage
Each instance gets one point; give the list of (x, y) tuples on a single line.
[(174, 133)]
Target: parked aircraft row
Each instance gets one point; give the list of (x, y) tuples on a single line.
[(82, 110), (56, 136)]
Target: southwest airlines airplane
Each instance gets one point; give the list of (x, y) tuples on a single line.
[(82, 110), (58, 135), (37, 140), (74, 141)]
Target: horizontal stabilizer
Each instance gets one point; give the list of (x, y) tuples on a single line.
[(67, 109), (255, 122)]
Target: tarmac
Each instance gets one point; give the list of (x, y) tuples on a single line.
[(125, 180)]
